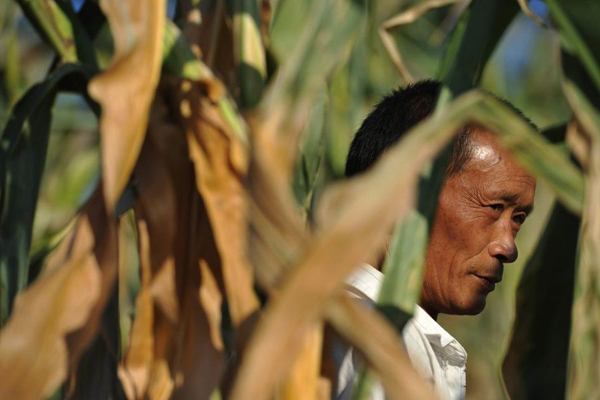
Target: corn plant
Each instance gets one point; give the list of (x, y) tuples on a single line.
[(219, 137)]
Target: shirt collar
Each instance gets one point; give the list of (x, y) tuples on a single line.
[(366, 282), (431, 329)]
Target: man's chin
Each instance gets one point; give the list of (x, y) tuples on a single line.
[(472, 306)]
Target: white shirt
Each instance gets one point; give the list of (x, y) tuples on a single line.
[(434, 353)]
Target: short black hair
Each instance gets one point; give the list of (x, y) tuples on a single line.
[(397, 113)]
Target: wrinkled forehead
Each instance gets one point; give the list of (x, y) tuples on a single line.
[(486, 152)]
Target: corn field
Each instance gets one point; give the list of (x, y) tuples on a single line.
[(174, 222)]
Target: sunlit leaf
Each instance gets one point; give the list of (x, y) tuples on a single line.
[(135, 371), (249, 51), (220, 161), (68, 299), (126, 89)]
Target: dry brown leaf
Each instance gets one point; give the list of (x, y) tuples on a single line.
[(524, 4), (303, 381), (380, 345), (56, 318), (278, 230), (220, 162), (126, 89), (211, 300), (579, 143), (406, 17), (33, 352), (208, 29), (134, 372), (188, 359)]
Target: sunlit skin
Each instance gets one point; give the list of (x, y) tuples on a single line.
[(480, 212)]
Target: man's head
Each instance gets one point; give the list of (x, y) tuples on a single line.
[(485, 198)]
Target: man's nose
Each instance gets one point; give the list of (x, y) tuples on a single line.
[(503, 245)]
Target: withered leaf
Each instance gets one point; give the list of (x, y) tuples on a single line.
[(220, 163), (126, 89), (57, 316)]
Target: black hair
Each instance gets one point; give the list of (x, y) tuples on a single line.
[(395, 114)]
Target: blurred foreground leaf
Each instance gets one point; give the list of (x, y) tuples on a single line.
[(23, 151), (403, 267), (68, 298)]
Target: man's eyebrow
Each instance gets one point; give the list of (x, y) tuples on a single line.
[(513, 198)]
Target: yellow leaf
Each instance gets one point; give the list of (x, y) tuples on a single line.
[(66, 299), (125, 91)]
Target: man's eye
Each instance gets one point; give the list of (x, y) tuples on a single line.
[(497, 207), (519, 219)]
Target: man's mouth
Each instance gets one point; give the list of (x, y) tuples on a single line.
[(488, 282)]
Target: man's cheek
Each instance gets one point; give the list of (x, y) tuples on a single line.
[(469, 297)]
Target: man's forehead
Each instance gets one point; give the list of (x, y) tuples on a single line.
[(486, 151)]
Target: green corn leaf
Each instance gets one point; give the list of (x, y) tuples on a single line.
[(179, 60), (577, 22), (83, 34), (23, 147), (52, 25), (403, 266), (328, 34), (311, 153), (249, 51), (535, 365), (463, 63), (580, 41)]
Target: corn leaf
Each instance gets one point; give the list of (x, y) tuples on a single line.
[(53, 26), (220, 161), (22, 155), (536, 363), (403, 266), (379, 346), (277, 224), (463, 63), (125, 90), (249, 51), (310, 154), (68, 298), (578, 34)]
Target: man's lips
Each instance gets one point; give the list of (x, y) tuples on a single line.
[(488, 281)]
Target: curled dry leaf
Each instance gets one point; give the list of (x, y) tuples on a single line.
[(303, 382), (220, 163), (186, 282), (126, 89), (134, 373), (57, 316)]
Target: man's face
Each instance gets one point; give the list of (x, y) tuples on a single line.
[(480, 211)]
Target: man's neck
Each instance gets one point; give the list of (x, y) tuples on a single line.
[(432, 313)]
